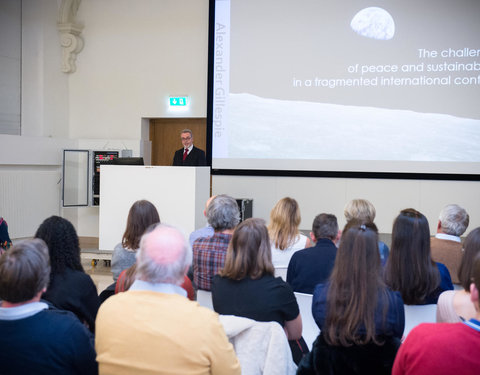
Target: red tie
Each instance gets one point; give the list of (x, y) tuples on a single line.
[(185, 153)]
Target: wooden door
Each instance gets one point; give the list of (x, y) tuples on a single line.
[(165, 137)]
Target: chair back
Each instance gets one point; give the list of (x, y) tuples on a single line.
[(204, 298), (261, 347), (416, 314), (281, 272), (310, 330)]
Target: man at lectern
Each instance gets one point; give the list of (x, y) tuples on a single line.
[(189, 155)]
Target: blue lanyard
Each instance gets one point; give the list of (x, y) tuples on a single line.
[(472, 323)]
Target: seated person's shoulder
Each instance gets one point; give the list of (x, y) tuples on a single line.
[(63, 321)]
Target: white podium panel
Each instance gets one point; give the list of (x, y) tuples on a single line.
[(178, 193)]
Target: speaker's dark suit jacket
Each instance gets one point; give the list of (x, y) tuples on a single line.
[(196, 158)]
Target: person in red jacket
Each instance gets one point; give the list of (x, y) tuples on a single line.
[(444, 348)]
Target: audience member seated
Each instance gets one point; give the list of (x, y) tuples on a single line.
[(456, 306), (127, 277), (206, 231), (70, 288), (446, 246), (142, 214), (444, 348), (152, 328), (313, 265), (360, 319), (247, 286), (364, 210), (410, 268), (5, 241), (285, 237), (209, 252), (35, 339)]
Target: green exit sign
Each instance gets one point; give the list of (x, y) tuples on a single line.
[(178, 101)]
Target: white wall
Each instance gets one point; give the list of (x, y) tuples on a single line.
[(44, 86), (317, 195), (10, 63), (136, 54)]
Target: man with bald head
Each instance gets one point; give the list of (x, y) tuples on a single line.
[(153, 328)]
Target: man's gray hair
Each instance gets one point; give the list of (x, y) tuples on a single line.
[(171, 271), (325, 226), (454, 220), (223, 213)]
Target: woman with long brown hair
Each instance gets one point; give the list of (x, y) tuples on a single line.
[(410, 268), (283, 230), (247, 286), (141, 215), (360, 319)]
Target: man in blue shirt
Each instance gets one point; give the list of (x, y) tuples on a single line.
[(313, 265), (35, 339)]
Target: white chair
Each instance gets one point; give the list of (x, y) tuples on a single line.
[(416, 314), (281, 272), (204, 298), (310, 330)]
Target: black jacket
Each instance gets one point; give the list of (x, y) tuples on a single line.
[(196, 158)]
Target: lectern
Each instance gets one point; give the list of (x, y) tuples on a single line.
[(178, 193)]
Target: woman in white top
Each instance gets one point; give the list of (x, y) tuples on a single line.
[(285, 237), (455, 305)]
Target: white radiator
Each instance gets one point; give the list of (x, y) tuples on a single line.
[(28, 195)]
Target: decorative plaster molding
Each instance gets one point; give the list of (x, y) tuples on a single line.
[(70, 30)]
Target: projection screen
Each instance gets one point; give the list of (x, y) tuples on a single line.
[(345, 86)]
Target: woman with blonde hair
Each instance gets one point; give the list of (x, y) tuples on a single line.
[(364, 210), (285, 237)]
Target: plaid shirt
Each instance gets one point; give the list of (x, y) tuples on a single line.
[(209, 258)]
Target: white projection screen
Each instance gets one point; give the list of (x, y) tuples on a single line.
[(345, 86)]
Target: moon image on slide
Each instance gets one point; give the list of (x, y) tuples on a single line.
[(374, 22)]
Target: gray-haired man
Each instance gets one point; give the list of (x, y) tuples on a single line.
[(153, 328), (446, 246), (209, 253)]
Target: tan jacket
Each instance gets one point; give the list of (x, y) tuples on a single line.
[(146, 333), (449, 253)]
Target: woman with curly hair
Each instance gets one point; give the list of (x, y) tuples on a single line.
[(70, 288)]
